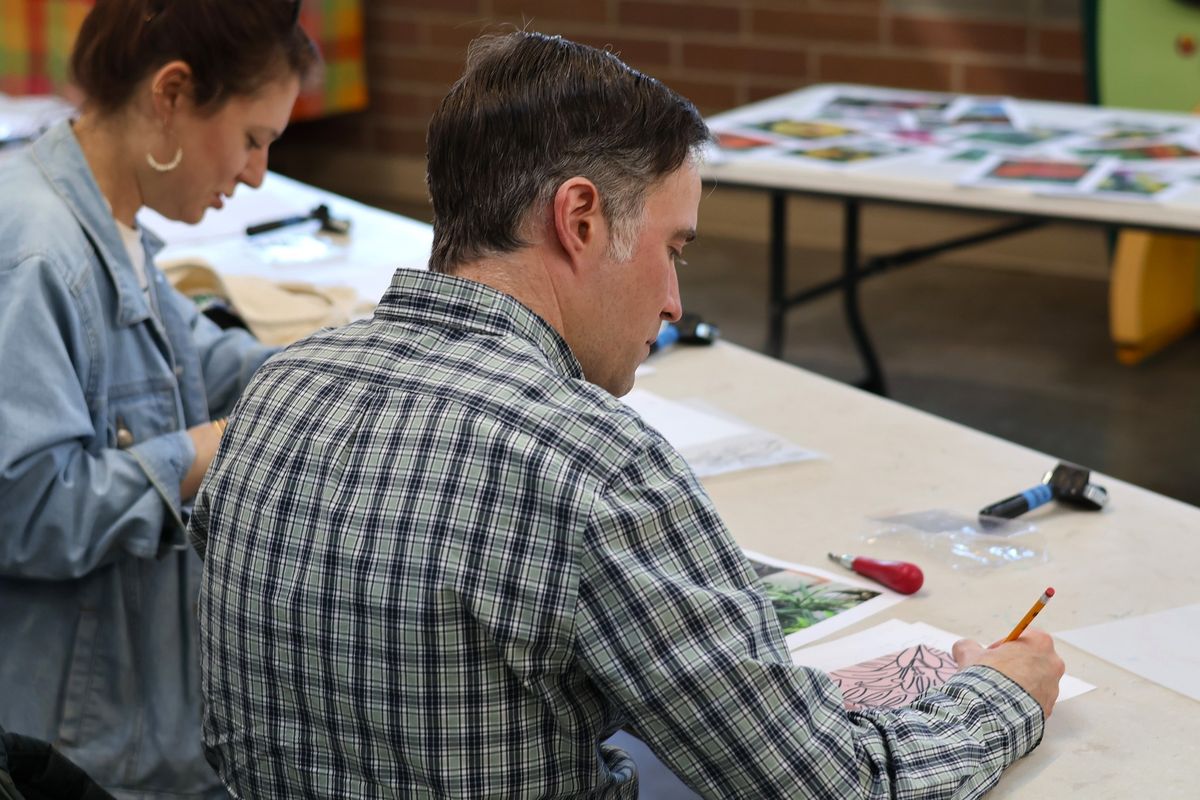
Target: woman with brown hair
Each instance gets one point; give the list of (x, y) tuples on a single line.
[(113, 387)]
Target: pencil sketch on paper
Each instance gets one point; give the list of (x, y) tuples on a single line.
[(895, 679)]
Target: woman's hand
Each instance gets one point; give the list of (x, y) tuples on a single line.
[(205, 439)]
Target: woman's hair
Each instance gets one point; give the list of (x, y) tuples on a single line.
[(234, 47)]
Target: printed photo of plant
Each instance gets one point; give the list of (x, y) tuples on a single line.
[(802, 600)]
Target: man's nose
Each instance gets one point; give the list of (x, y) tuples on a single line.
[(673, 308)]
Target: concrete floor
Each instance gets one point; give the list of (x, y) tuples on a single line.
[(1022, 356)]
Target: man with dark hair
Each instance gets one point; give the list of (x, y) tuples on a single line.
[(443, 560)]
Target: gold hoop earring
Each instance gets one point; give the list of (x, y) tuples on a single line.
[(159, 166)]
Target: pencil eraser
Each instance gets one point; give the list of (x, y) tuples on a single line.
[(1049, 591)]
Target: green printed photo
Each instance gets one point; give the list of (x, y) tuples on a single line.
[(801, 600)]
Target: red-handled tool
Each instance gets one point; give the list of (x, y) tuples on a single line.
[(899, 576)]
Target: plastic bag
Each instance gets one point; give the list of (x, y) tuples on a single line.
[(959, 541)]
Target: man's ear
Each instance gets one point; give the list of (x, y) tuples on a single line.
[(578, 219)]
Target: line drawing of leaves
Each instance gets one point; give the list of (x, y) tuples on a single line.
[(895, 679)]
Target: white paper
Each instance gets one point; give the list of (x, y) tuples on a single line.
[(786, 575), (1162, 647), (712, 443), (890, 637)]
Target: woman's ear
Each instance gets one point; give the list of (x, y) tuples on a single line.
[(170, 86)]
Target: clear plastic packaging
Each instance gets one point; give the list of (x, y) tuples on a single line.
[(959, 541)]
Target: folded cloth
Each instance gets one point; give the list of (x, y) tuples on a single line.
[(277, 312)]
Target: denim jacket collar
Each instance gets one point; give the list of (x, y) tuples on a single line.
[(58, 156)]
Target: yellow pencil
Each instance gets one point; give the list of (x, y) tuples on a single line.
[(1033, 612)]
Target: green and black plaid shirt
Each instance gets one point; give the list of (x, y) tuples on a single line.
[(439, 563)]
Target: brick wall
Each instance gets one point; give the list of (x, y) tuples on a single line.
[(720, 53)]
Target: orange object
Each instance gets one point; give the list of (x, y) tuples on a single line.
[(1033, 612)]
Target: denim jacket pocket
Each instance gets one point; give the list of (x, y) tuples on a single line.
[(141, 410)]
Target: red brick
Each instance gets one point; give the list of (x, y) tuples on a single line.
[(348, 130), (792, 62), (1039, 84), (709, 96), (909, 73), (638, 53), (841, 5), (815, 26), (439, 6), (395, 103), (456, 35), (402, 66), (406, 139), (388, 31), (944, 34), (761, 91), (534, 11), (674, 16), (1063, 44)]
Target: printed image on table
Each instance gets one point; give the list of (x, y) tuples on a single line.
[(882, 105), (1014, 138), (802, 599), (740, 142), (895, 679), (1132, 184), (805, 129), (845, 155), (1149, 152)]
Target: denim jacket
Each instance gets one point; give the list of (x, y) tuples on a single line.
[(97, 584)]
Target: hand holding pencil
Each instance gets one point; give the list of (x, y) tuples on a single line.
[(1026, 656), (1033, 612)]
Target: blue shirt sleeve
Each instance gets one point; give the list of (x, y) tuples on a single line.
[(69, 503)]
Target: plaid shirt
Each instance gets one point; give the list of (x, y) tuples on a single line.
[(439, 563)]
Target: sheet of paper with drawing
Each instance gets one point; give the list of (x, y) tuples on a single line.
[(894, 662), (812, 603), (710, 442)]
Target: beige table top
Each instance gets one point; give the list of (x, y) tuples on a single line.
[(1129, 737)]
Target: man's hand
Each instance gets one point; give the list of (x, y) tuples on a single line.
[(1029, 660)]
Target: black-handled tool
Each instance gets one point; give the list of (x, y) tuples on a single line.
[(1067, 483), (329, 223)]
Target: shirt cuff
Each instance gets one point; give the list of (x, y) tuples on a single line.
[(1021, 716), (166, 460)]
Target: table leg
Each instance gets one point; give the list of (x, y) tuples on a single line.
[(777, 304), (851, 276)]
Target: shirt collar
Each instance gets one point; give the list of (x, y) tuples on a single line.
[(447, 301), (59, 158)]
